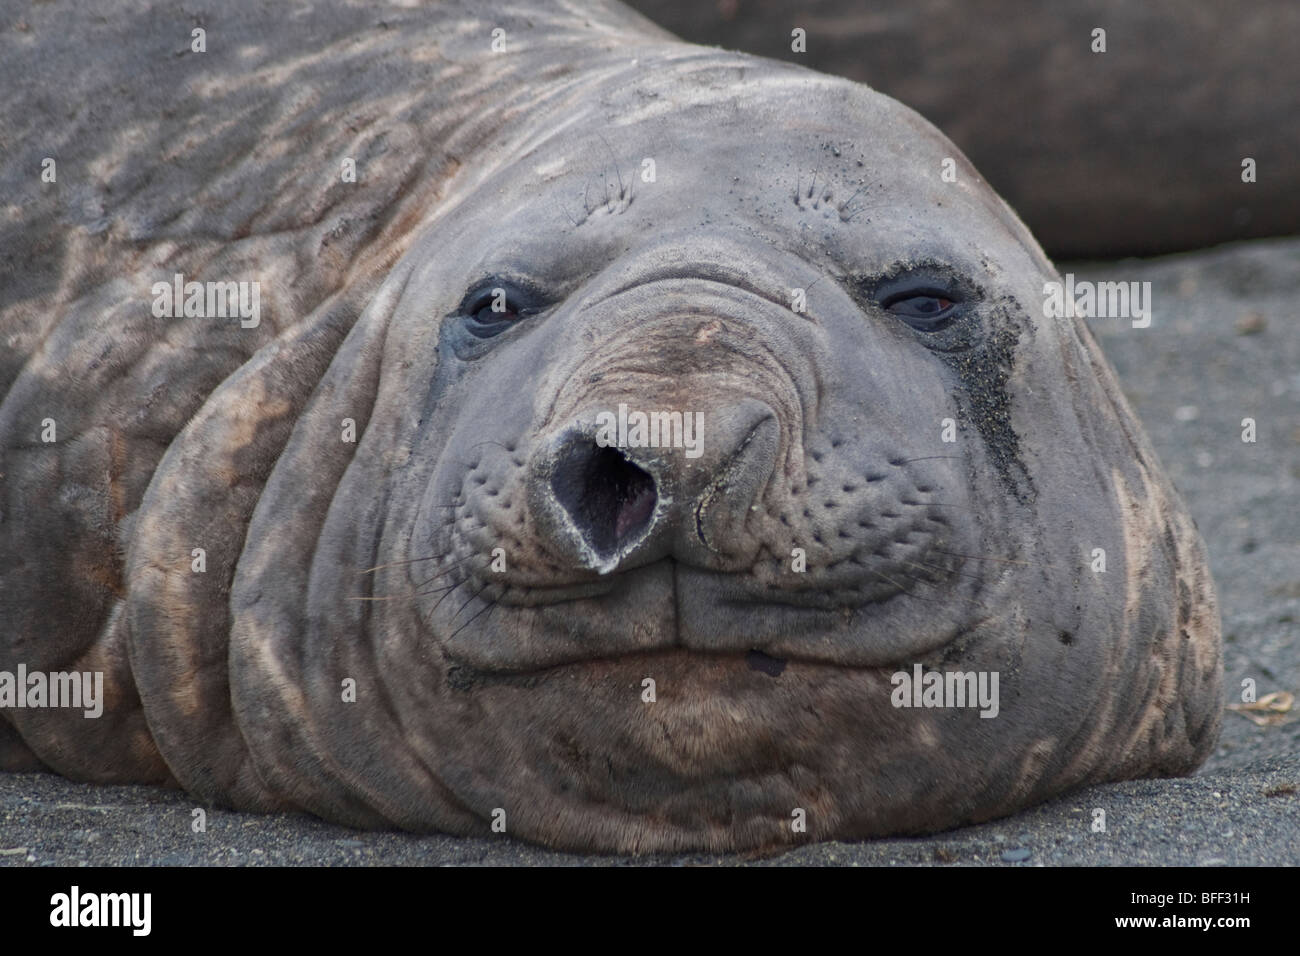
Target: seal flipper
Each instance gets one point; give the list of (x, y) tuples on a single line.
[(202, 497)]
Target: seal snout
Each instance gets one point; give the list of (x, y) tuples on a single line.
[(614, 505), (609, 500)]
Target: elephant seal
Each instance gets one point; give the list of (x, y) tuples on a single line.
[(600, 465), (1127, 143)]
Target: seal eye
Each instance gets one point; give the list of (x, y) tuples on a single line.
[(924, 310), (492, 308)]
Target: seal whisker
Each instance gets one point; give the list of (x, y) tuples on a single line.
[(617, 172), (439, 590), (414, 592), (446, 591), (939, 567), (904, 592), (986, 557), (394, 564), (489, 607), (446, 570), (889, 580), (468, 602), (573, 222)]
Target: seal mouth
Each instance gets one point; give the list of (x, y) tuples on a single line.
[(697, 613), (745, 589)]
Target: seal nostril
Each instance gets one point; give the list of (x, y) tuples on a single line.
[(609, 499), (635, 510)]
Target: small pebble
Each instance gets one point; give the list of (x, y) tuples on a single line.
[(1251, 323)]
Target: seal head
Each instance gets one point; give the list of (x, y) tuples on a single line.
[(897, 460)]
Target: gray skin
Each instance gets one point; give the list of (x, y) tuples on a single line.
[(1134, 151), (331, 561)]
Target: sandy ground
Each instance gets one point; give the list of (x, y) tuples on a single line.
[(1224, 345)]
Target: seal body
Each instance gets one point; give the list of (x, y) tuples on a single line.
[(1131, 141), (595, 460)]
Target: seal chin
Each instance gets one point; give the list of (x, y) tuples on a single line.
[(464, 676)]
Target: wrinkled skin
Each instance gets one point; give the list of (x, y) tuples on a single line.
[(332, 562)]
